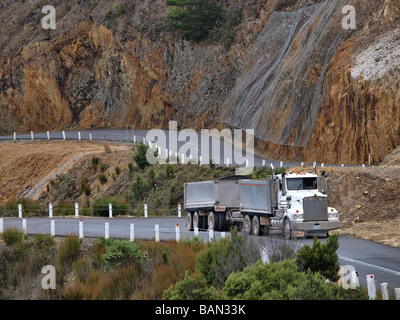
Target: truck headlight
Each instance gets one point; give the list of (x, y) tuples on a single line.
[(333, 214), (298, 216)]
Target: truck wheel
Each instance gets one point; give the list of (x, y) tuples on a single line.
[(222, 219), (213, 221), (203, 222), (286, 229), (255, 225), (189, 221), (196, 220), (247, 224)]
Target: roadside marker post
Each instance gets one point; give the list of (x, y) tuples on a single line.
[(81, 229), (24, 230), (1, 225), (210, 234), (179, 210), (52, 228), (76, 210), (157, 232), (371, 286), (50, 210), (177, 233), (145, 210), (132, 232), (107, 230), (63, 134), (110, 210), (19, 210), (384, 290), (196, 231)]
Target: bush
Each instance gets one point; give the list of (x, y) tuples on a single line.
[(320, 257), (138, 189), (218, 260), (95, 162), (122, 253), (12, 236), (191, 288), (283, 281), (140, 156), (193, 18), (283, 4), (44, 241), (69, 250), (103, 178)]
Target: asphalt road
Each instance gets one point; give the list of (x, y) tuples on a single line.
[(214, 150), (366, 256)]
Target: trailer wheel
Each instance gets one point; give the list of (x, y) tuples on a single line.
[(247, 224), (196, 220), (287, 229), (213, 221), (189, 221), (255, 225), (222, 219)]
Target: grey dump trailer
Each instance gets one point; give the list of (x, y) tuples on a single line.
[(220, 203), (290, 202)]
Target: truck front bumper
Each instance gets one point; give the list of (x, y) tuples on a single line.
[(314, 227)]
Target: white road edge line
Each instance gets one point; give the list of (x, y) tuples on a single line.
[(397, 273)]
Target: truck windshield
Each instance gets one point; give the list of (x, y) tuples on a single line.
[(301, 183)]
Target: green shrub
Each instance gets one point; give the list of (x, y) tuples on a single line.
[(140, 156), (169, 171), (283, 4), (118, 9), (320, 257), (43, 241), (69, 250), (103, 178), (95, 162), (192, 287), (12, 236), (283, 281), (219, 259), (122, 253), (137, 189), (195, 19)]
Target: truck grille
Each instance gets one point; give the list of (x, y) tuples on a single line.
[(315, 209)]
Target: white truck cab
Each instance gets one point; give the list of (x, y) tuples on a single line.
[(304, 210)]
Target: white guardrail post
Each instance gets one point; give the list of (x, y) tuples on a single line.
[(384, 290), (19, 210), (177, 233), (157, 232), (132, 232), (371, 286), (1, 225), (50, 210), (179, 210), (107, 230), (52, 228), (63, 134), (396, 292), (110, 210), (145, 210), (196, 231), (24, 230), (76, 210), (210, 234), (81, 229)]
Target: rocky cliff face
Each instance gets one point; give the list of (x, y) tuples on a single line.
[(309, 88)]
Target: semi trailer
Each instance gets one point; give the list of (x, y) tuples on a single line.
[(290, 202)]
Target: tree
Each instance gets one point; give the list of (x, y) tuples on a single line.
[(320, 257), (195, 18), (140, 156)]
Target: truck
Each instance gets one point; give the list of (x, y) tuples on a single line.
[(294, 203)]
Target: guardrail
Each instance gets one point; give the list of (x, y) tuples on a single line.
[(349, 279), (141, 138)]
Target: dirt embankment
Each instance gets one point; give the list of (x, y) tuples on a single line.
[(27, 168)]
